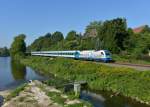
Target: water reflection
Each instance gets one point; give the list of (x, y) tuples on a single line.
[(115, 100), (107, 99), (13, 73), (18, 70)]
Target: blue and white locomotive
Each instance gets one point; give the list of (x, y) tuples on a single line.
[(100, 55)]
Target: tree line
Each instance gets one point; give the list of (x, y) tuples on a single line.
[(113, 35), (4, 52)]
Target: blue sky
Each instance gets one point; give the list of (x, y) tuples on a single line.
[(37, 17)]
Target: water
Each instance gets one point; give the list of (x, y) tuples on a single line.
[(107, 99), (1, 100), (13, 74)]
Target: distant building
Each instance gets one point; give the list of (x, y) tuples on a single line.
[(139, 29)]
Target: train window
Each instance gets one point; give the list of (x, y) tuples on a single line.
[(107, 53)]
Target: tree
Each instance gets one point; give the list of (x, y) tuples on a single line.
[(4, 52), (87, 43), (36, 45), (71, 45), (18, 47), (72, 35), (146, 29), (142, 45), (130, 42), (112, 34), (46, 41), (92, 29), (57, 37), (42, 43)]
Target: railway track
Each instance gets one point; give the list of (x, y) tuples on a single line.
[(130, 64), (139, 67)]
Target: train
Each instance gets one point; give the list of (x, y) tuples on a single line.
[(93, 55)]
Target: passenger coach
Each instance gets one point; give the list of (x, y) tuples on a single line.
[(100, 55)]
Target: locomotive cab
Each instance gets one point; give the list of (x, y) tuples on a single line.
[(103, 55), (107, 57)]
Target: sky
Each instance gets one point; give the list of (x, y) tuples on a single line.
[(38, 17)]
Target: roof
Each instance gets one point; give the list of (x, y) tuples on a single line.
[(138, 29)]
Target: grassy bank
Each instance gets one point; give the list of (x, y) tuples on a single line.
[(125, 81), (129, 59)]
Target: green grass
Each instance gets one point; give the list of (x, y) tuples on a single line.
[(56, 97), (71, 95), (125, 81), (129, 59), (16, 92), (78, 105), (57, 82)]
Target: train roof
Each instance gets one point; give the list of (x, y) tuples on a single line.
[(69, 51), (73, 51)]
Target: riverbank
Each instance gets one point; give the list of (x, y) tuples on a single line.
[(5, 93), (124, 81), (38, 94)]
